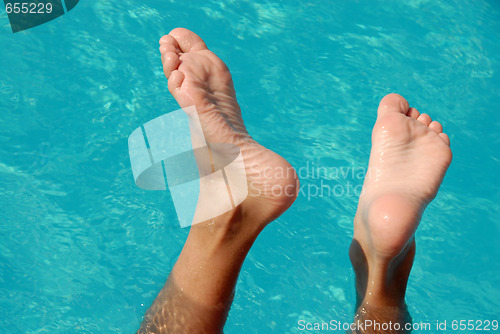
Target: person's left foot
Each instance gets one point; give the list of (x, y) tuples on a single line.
[(409, 158), (197, 77)]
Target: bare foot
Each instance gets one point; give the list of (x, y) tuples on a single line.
[(196, 76), (409, 158), (200, 288)]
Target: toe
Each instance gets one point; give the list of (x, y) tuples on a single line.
[(170, 42), (167, 48), (393, 103), (425, 119), (436, 126), (187, 40), (170, 63), (174, 82), (445, 138), (413, 113)]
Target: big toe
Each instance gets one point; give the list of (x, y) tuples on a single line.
[(187, 40), (393, 103)]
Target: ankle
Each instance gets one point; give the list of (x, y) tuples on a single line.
[(381, 282), (232, 229), (382, 319)]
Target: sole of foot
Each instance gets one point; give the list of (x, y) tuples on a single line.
[(197, 77), (409, 158)]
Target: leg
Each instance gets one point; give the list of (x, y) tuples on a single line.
[(198, 293), (409, 158)]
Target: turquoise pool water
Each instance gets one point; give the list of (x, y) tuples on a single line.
[(83, 250)]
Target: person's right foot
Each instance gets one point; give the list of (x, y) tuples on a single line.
[(409, 158), (200, 287), (197, 77)]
